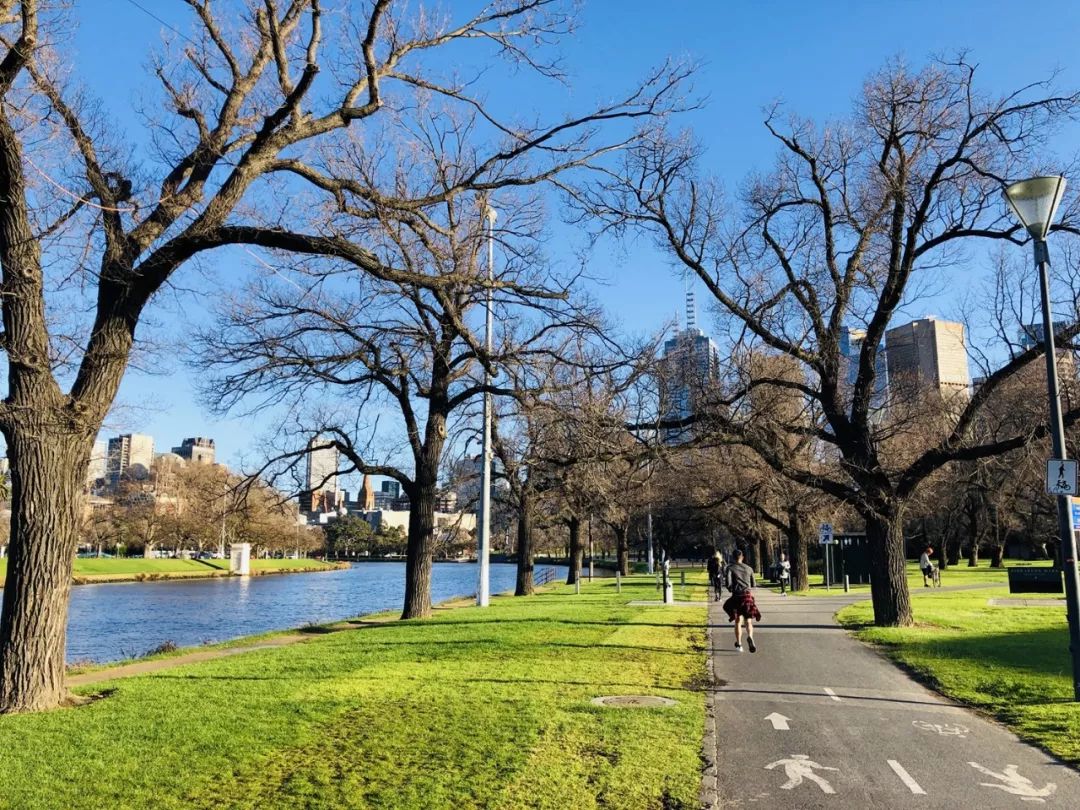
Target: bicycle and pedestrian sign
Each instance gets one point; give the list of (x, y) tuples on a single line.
[(1061, 476)]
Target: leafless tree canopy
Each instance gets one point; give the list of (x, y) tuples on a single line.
[(850, 220)]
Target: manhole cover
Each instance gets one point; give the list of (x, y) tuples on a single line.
[(632, 701)]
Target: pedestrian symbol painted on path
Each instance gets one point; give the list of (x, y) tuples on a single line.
[(798, 767), (1012, 782)]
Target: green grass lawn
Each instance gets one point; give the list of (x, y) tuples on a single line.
[(1010, 661), (982, 574), (132, 566), (475, 708)]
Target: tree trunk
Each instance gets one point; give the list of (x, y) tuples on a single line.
[(998, 558), (751, 553), (800, 577), (47, 474), (622, 551), (973, 537), (524, 585), (576, 551), (762, 554), (419, 549), (944, 561), (888, 576)]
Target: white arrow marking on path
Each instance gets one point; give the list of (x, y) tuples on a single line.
[(905, 777), (779, 722), (1016, 784)]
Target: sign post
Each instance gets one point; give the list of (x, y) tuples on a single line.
[(825, 538)]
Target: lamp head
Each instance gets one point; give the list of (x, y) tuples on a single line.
[(1034, 203)]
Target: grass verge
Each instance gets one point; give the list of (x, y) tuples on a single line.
[(982, 574), (118, 569), (1012, 662), (473, 708)]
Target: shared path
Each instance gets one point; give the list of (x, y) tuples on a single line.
[(816, 718)]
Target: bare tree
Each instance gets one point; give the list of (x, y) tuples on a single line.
[(851, 221), (364, 343), (251, 108)]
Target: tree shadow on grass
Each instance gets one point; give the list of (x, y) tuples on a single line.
[(1043, 653)]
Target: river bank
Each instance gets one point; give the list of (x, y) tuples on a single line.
[(96, 570), (475, 707)]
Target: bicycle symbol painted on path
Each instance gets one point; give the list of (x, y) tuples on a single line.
[(943, 729)]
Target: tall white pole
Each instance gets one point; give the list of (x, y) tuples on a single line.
[(483, 595)]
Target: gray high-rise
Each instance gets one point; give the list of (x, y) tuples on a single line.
[(690, 369)]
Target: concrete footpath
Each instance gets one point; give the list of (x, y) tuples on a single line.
[(816, 718)]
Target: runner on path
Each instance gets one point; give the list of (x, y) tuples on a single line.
[(740, 606)]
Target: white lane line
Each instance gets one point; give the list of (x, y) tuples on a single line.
[(831, 694), (905, 777)]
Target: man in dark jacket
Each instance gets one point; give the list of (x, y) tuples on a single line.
[(715, 567), (740, 606)]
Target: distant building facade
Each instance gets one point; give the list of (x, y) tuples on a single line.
[(389, 491), (321, 479), (928, 355), (851, 343), (99, 459), (129, 454), (198, 450), (690, 368), (1031, 335)]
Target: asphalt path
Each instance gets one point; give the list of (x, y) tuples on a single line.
[(815, 719)]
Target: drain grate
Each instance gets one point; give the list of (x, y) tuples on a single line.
[(632, 701)]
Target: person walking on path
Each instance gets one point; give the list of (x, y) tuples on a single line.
[(740, 606), (926, 566), (784, 573), (715, 567)]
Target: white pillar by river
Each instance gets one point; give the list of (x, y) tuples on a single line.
[(240, 559)]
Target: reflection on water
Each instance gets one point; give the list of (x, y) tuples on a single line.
[(120, 620)]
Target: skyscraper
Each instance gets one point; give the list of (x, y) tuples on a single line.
[(322, 465), (928, 355), (690, 368), (1032, 333), (129, 453), (99, 458), (851, 342)]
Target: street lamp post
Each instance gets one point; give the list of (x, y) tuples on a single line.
[(483, 591), (1035, 202)]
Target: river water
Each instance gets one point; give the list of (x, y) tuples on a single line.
[(118, 620)]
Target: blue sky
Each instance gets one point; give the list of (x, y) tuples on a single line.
[(811, 55)]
